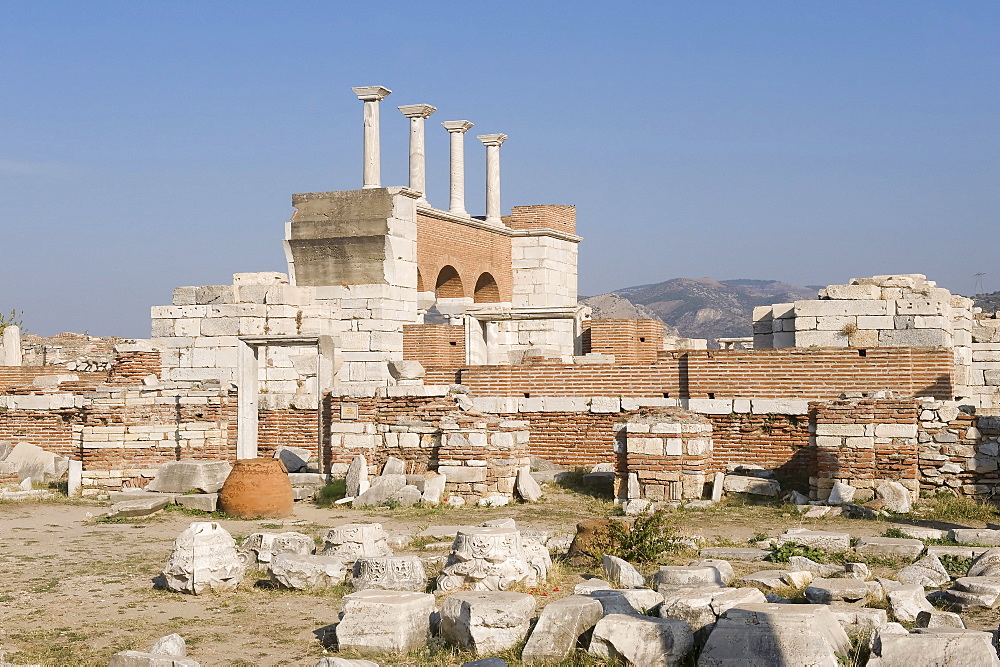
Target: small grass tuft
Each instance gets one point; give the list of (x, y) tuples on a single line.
[(946, 507)]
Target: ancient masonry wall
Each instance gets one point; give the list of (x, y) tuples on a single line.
[(630, 341), (812, 373), (470, 250), (124, 434), (479, 454), (667, 456), (865, 441), (958, 450), (12, 377), (435, 345)]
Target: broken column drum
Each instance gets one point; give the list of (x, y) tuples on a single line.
[(257, 487), (486, 559)]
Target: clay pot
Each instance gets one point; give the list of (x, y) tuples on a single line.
[(257, 487)]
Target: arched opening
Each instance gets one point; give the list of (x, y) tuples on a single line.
[(449, 284), (420, 281), (487, 290)]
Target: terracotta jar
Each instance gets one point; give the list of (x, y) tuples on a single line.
[(257, 487)]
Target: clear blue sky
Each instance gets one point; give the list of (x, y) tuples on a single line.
[(147, 145)]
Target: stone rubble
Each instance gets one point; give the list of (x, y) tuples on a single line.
[(385, 621), (486, 621), (304, 571)]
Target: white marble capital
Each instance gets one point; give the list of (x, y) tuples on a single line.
[(456, 130), (371, 96), (493, 142), (371, 93), (418, 170)]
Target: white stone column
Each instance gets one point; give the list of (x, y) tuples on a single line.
[(457, 130), (418, 171), (493, 142), (371, 96)]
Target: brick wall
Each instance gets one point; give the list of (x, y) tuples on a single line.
[(132, 367), (543, 216), (631, 341), (435, 345), (50, 430), (806, 373), (818, 372), (775, 442), (653, 380), (292, 428), (21, 376), (470, 250)]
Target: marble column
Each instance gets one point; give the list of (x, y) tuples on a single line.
[(418, 170), (371, 96), (457, 130), (493, 142)]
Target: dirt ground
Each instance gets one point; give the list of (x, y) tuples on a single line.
[(73, 590)]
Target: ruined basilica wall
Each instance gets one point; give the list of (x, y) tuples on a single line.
[(472, 248)]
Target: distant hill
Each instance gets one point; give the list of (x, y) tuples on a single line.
[(703, 308), (990, 303)]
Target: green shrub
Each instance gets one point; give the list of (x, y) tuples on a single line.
[(957, 566), (641, 541), (333, 491), (789, 549)]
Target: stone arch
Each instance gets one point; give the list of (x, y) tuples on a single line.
[(487, 290), (449, 284)]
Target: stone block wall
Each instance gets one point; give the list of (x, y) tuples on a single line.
[(668, 455), (863, 441), (480, 456), (124, 434), (958, 450), (479, 453)]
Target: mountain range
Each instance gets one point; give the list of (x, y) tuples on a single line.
[(702, 308)]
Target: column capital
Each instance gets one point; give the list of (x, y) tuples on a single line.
[(462, 126), (417, 110), (492, 139), (371, 93)]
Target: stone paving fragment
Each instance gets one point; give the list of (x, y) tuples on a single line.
[(859, 621), (755, 485), (986, 564), (939, 619), (817, 539), (622, 573), (769, 634), (486, 621), (928, 571), (827, 591), (138, 507), (687, 575), (735, 553), (559, 628), (300, 572), (982, 537), (803, 564), (889, 546), (205, 502), (184, 476), (627, 600), (907, 601), (385, 620), (641, 640), (527, 487), (701, 607), (895, 497), (947, 649)]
